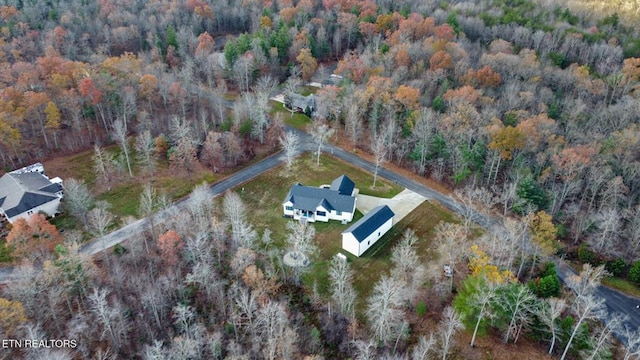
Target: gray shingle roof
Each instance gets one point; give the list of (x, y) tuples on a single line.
[(370, 222), (302, 102), (25, 191), (308, 198), (343, 185)]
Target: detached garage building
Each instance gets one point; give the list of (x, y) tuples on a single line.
[(366, 231)]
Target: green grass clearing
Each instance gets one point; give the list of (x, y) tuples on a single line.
[(263, 197), (296, 120), (621, 285)]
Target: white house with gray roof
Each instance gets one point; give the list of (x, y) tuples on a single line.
[(360, 236), (28, 191), (336, 202)]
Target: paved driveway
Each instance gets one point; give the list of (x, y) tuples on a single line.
[(401, 204)]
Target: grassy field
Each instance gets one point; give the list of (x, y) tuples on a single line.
[(296, 120), (621, 285), (124, 192), (263, 198)]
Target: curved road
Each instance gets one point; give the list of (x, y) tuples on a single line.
[(615, 301)]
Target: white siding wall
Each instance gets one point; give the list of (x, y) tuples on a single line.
[(50, 208), (350, 244), (322, 218), (284, 209)]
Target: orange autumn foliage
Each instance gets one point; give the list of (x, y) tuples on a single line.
[(33, 237), (170, 244)]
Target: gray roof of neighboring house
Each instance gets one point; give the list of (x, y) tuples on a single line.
[(302, 102), (370, 222), (308, 198), (22, 192), (343, 185)]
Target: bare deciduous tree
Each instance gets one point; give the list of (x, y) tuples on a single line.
[(100, 218), (448, 327), (120, 134), (77, 199), (423, 348), (272, 323), (608, 223), (147, 200), (289, 143), (422, 132), (201, 206), (343, 292), (184, 143), (452, 240), (320, 133), (300, 243), (613, 324), (407, 265), (384, 309), (483, 298), (379, 149), (103, 164), (145, 147), (586, 305), (109, 316), (548, 313), (242, 233), (517, 302), (633, 342), (364, 350)]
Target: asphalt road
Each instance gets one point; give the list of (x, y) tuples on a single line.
[(216, 189), (615, 301)]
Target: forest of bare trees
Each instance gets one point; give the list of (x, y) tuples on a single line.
[(527, 110)]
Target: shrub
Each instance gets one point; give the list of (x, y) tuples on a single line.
[(421, 308), (616, 267), (119, 250), (549, 269), (549, 286), (634, 273), (439, 104), (587, 256)]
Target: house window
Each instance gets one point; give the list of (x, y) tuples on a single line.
[(378, 233), (30, 212), (368, 242), (289, 208), (321, 213), (338, 212)]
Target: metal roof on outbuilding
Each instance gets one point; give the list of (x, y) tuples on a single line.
[(370, 222)]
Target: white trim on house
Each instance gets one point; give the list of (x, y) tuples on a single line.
[(337, 202)]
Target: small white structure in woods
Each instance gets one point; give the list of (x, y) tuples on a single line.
[(360, 236), (28, 191)]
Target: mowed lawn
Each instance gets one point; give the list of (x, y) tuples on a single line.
[(263, 198)]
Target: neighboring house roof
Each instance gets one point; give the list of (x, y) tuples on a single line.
[(343, 185), (302, 102), (21, 192), (370, 222), (37, 167), (309, 198)]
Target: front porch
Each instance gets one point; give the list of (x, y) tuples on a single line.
[(306, 214)]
